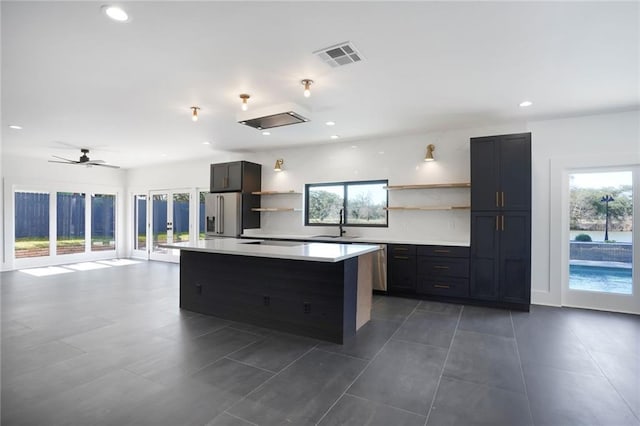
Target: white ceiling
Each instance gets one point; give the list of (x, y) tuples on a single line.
[(72, 77)]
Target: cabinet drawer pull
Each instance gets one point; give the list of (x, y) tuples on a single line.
[(400, 257), (441, 285), (400, 249), (502, 220), (497, 223), (440, 267), (497, 199), (502, 198), (442, 251)]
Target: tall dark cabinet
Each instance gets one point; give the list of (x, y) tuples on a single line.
[(501, 220)]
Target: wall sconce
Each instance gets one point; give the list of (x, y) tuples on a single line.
[(430, 148), (278, 166), (307, 84), (194, 113), (245, 100)]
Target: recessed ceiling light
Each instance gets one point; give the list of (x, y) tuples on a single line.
[(335, 136), (14, 127), (206, 143), (354, 146), (116, 13), (380, 152), (330, 123), (163, 155), (526, 103), (266, 133)]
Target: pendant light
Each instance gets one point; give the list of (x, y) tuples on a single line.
[(194, 113), (307, 84), (245, 100)]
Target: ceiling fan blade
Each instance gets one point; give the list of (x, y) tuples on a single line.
[(107, 165), (63, 162), (94, 162), (66, 159)]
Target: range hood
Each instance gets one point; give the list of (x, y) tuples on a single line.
[(274, 116)]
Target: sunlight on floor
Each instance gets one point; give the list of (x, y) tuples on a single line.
[(84, 266)]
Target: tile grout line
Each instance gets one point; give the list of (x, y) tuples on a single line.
[(586, 348), (236, 417), (444, 364), (249, 365), (267, 381), (384, 405), (368, 364), (524, 381)]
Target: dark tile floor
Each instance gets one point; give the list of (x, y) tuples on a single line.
[(111, 347)]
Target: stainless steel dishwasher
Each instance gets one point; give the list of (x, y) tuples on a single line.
[(379, 275)]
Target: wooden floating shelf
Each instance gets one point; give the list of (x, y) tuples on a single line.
[(275, 192), (430, 186), (428, 208), (275, 209)]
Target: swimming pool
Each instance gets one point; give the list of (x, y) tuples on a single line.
[(598, 278)]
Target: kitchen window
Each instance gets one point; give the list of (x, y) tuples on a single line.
[(360, 203)]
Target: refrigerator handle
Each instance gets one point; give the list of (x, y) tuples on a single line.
[(221, 215)]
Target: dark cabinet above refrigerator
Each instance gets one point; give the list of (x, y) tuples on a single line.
[(236, 176)]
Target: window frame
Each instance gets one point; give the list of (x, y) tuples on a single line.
[(345, 185)]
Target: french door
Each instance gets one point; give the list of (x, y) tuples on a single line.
[(601, 269), (170, 221)]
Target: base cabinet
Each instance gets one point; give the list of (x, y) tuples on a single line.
[(401, 276), (500, 257), (315, 299), (443, 271)]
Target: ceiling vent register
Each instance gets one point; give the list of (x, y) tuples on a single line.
[(339, 55)]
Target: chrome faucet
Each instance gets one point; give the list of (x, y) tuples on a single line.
[(342, 231)]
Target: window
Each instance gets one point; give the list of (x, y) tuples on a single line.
[(31, 224), (103, 222), (70, 222), (362, 203), (140, 221)]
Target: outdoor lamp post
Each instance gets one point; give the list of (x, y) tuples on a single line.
[(606, 200)]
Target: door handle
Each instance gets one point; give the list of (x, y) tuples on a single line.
[(441, 286), (497, 223), (440, 267), (502, 222), (497, 199), (221, 215), (502, 198)]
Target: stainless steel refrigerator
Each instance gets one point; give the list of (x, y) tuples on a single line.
[(227, 214)]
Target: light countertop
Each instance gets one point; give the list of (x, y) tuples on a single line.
[(317, 252), (359, 240)]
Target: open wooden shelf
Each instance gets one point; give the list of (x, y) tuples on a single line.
[(275, 192), (275, 209), (428, 208), (430, 186)]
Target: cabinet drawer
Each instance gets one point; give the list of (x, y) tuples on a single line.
[(401, 249), (443, 267), (443, 251), (458, 287)]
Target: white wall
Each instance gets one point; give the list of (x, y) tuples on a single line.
[(26, 173), (597, 140)]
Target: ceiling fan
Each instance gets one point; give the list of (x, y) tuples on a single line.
[(84, 160)]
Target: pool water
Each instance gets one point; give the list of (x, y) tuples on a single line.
[(597, 278)]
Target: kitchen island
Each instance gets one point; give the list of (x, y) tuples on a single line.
[(318, 290)]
